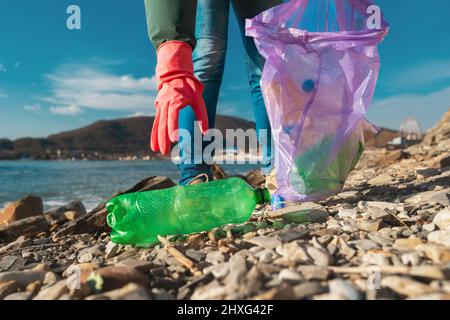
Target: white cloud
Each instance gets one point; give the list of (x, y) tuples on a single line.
[(424, 74), (72, 110), (17, 64), (36, 108), (426, 108), (2, 67), (78, 87)]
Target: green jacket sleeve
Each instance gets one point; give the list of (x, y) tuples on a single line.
[(169, 20)]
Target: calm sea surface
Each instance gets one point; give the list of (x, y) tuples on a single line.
[(59, 182)]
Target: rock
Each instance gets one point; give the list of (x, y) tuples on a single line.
[(112, 249), (131, 291), (375, 258), (237, 270), (440, 237), (308, 289), (85, 257), (33, 287), (407, 244), (347, 194), (369, 226), (266, 256), (347, 213), (321, 257), (366, 205), (211, 291), (50, 278), (79, 268), (426, 172), (391, 157), (161, 294), (379, 239), (345, 249), (88, 254), (27, 227), (265, 242), (314, 272), (19, 296), (444, 161), (442, 220), (215, 257), (138, 264), (292, 234), (429, 227), (8, 288), (377, 213), (69, 212), (196, 255), (410, 258), (431, 197), (305, 213), (343, 290), (219, 271), (7, 262), (53, 292), (293, 251), (439, 132), (289, 275), (382, 179), (366, 244), (30, 206), (406, 286), (438, 254)]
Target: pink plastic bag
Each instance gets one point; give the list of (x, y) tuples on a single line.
[(320, 74)]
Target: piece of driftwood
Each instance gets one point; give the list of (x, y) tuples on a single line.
[(61, 215), (185, 261), (28, 227), (95, 221)]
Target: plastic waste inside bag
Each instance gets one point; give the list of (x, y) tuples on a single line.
[(320, 74)]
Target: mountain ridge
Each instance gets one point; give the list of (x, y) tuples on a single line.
[(101, 140)]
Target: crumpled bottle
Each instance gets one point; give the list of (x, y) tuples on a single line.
[(138, 218)]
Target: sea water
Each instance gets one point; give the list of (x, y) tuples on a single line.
[(59, 182)]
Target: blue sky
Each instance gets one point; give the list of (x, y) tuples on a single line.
[(53, 79)]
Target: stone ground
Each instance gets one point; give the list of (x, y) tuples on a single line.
[(385, 236)]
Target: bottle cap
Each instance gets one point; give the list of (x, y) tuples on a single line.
[(278, 202)]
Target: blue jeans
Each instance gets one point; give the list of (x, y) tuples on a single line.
[(209, 62)]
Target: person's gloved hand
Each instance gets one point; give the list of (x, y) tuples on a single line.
[(177, 88)]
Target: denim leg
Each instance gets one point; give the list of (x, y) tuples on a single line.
[(209, 63), (255, 63)]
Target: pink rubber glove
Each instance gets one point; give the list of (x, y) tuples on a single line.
[(177, 88)]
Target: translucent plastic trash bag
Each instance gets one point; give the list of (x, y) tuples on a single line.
[(320, 74)]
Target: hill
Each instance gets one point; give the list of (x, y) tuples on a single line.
[(105, 139)]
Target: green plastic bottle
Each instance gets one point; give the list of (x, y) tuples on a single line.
[(138, 218)]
